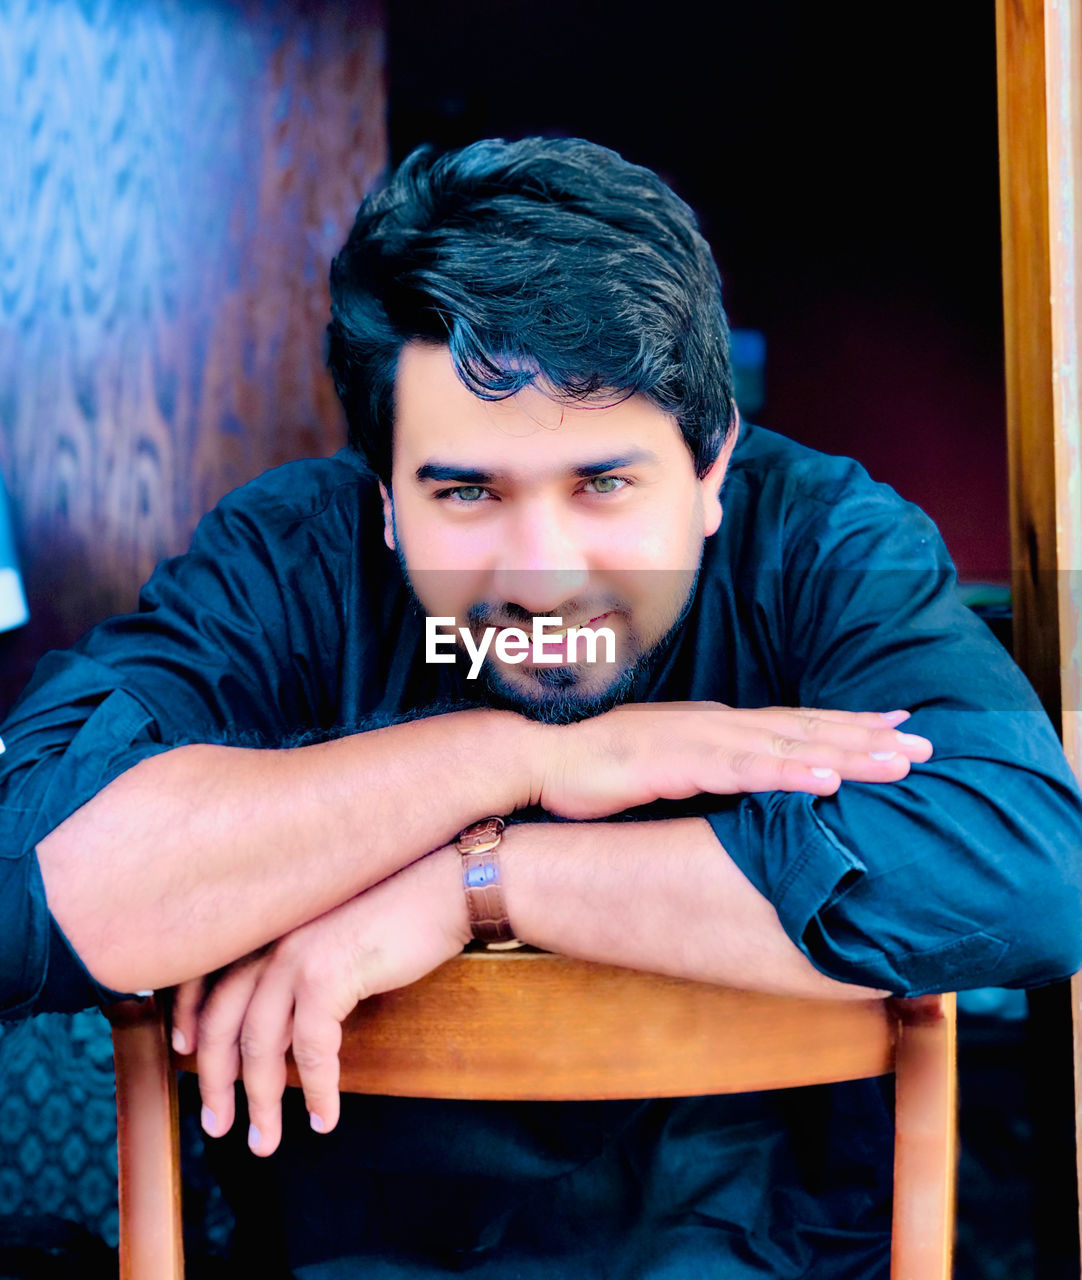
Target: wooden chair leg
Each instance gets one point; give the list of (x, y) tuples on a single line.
[(148, 1139), (925, 1152)]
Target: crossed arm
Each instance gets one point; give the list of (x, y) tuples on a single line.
[(219, 852), (659, 896)]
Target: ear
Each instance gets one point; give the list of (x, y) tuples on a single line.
[(715, 478), (388, 516)]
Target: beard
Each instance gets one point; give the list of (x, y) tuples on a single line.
[(565, 693), (559, 697)]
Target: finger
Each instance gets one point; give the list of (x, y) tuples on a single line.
[(317, 1039), (862, 736), (869, 719), (845, 728), (187, 1002), (890, 763), (218, 1054), (813, 715), (264, 1040), (917, 748), (750, 771)]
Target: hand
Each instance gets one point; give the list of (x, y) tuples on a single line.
[(297, 992), (642, 752)]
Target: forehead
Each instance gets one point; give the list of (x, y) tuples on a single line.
[(437, 416)]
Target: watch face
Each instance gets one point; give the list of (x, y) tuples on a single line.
[(481, 837)]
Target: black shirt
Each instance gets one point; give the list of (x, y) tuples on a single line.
[(821, 588)]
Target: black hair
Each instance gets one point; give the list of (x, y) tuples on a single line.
[(549, 259)]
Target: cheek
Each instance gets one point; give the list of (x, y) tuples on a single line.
[(656, 542), (447, 573), (661, 596), (431, 540), (446, 592)]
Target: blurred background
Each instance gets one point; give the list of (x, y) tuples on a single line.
[(174, 179)]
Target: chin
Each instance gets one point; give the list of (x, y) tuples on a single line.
[(558, 694)]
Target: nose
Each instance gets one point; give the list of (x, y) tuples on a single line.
[(542, 562)]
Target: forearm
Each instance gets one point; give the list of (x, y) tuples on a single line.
[(200, 855), (660, 896)]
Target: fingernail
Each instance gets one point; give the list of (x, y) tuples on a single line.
[(208, 1120), (823, 773), (911, 740), (254, 1137), (882, 755), (894, 717), (315, 1121), (180, 1041)]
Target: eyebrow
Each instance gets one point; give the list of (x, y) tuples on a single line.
[(465, 474)]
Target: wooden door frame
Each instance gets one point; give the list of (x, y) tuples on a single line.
[(1039, 60)]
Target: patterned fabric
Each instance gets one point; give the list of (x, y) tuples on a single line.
[(58, 1121), (58, 1145)]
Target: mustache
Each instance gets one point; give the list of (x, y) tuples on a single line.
[(573, 613)]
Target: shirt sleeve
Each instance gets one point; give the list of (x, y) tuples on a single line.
[(968, 872), (208, 657)]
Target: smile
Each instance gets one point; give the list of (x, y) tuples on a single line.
[(579, 626)]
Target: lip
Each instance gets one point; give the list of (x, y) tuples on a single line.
[(571, 626), (508, 626)]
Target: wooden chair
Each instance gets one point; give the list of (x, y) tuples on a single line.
[(529, 1025)]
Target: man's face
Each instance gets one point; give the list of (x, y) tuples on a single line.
[(504, 511)]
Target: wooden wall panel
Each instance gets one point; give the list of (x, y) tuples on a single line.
[(174, 180)]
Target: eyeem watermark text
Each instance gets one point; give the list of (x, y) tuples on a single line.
[(512, 644)]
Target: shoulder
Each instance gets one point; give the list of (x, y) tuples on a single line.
[(808, 505), (785, 472), (290, 539), (305, 489), (333, 498)]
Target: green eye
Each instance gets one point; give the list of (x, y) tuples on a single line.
[(469, 493), (607, 484)]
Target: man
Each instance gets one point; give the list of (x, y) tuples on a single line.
[(529, 343)]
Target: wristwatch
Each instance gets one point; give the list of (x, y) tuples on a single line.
[(478, 846)]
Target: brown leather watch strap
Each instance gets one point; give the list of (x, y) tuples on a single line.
[(478, 845)]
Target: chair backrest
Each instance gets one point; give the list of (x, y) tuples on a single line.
[(534, 1026)]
